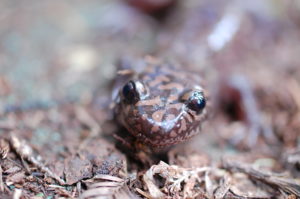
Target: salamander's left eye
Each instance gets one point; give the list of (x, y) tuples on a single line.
[(130, 92), (196, 101)]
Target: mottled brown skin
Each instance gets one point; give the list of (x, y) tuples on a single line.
[(161, 117)]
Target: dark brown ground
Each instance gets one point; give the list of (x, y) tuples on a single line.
[(57, 62)]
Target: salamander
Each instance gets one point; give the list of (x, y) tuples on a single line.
[(160, 103)]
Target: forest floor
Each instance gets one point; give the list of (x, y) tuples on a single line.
[(57, 62)]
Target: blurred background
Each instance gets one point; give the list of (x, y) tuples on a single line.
[(56, 50)]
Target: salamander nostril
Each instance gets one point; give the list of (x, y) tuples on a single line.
[(130, 92)]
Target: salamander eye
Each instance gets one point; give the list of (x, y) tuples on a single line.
[(130, 92), (196, 101)]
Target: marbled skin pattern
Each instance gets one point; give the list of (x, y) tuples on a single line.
[(160, 118)]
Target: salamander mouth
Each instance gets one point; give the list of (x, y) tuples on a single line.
[(161, 134), (166, 141)]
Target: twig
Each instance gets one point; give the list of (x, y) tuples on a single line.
[(78, 185), (85, 118), (4, 148), (17, 194), (106, 186), (26, 152), (1, 180), (283, 183)]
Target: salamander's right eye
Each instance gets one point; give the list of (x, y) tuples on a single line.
[(130, 93)]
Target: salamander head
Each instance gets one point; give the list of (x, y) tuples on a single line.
[(161, 107)]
